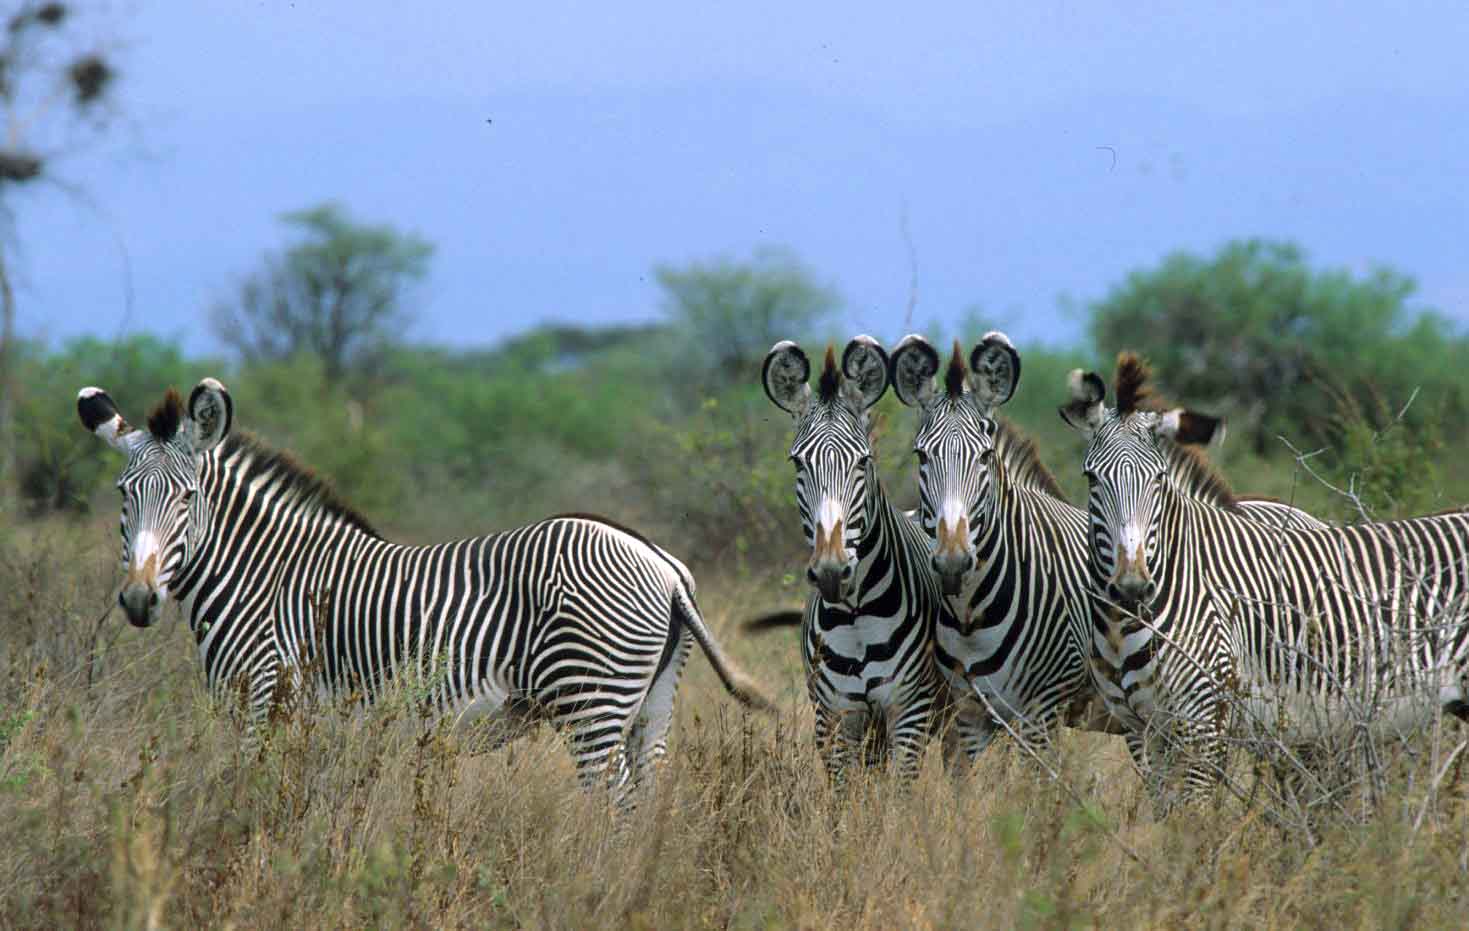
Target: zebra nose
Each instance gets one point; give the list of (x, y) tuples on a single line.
[(832, 581), (950, 566), (140, 603), (1135, 588)]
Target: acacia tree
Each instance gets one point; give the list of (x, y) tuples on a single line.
[(730, 312), (1256, 329), (339, 294), (50, 92)]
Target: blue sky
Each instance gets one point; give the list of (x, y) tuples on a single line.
[(555, 152)]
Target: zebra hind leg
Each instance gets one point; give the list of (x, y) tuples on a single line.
[(647, 740)]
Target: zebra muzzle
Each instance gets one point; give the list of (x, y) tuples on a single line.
[(832, 567), (140, 596), (952, 557), (1132, 582)]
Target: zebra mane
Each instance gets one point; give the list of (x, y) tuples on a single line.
[(1022, 461), (164, 420), (1133, 391), (955, 374), (1198, 477), (831, 379), (289, 478)]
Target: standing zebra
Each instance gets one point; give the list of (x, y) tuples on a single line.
[(573, 619), (867, 634), (1204, 621), (1010, 550)]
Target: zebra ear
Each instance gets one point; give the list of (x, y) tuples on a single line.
[(994, 370), (212, 412), (911, 370), (1188, 428), (784, 375), (100, 416), (864, 371), (1088, 395)]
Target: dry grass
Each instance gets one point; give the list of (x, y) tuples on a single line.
[(128, 802)]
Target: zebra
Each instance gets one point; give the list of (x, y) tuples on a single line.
[(574, 619), (867, 637), (1010, 550), (1205, 623)]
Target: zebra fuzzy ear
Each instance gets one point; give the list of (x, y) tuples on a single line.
[(911, 370), (100, 416), (1088, 395), (994, 370), (785, 375), (864, 371), (1188, 428), (212, 413)]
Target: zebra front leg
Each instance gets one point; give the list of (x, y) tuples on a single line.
[(908, 732), (966, 737), (1150, 762), (840, 739)]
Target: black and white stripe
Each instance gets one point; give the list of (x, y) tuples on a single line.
[(1205, 622), (867, 636), (1011, 549), (572, 620)]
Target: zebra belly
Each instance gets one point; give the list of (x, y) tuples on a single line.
[(1300, 715)]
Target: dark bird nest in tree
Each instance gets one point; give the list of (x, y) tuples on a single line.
[(18, 166), (90, 76), (47, 14)]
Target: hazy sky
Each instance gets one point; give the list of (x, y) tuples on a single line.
[(556, 152)]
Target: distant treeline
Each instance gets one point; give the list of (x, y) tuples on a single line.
[(665, 425)]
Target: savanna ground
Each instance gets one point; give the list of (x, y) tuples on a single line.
[(128, 802)]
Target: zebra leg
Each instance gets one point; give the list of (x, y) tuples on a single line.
[(647, 741), (840, 735), (908, 732), (1152, 768), (969, 734)]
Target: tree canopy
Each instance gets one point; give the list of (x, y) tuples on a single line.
[(730, 312), (1256, 329), (339, 294)]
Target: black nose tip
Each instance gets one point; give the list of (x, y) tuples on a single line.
[(153, 599), (847, 573), (811, 575)]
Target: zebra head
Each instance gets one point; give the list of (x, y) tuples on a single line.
[(1126, 467), (163, 517), (955, 441), (831, 451)]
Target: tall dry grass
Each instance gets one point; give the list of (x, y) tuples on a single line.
[(127, 801)]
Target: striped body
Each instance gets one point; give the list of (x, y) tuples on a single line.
[(1012, 552), (869, 656), (1205, 622), (571, 620), (868, 629)]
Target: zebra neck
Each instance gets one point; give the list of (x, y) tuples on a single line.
[(262, 518)]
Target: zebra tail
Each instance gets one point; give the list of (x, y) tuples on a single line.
[(742, 687), (765, 623)]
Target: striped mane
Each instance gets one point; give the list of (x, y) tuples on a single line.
[(1022, 461), (252, 459), (1197, 476)]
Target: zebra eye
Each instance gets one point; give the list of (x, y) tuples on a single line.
[(986, 455), (922, 456)]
